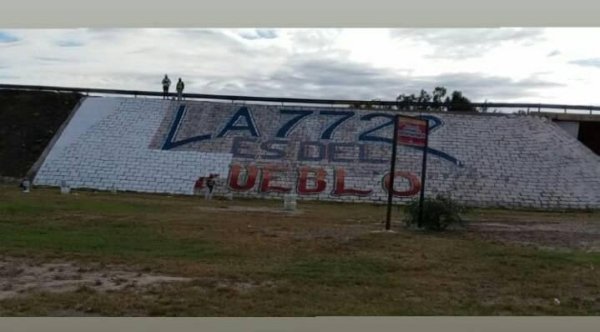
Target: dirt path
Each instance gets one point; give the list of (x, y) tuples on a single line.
[(233, 208), (18, 278), (580, 234)]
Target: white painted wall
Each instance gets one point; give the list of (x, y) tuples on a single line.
[(106, 145), (508, 160)]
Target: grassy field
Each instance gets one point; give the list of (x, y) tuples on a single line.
[(247, 258)]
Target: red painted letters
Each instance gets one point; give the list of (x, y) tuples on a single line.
[(340, 186), (244, 179), (413, 180), (267, 177), (250, 178), (319, 179)]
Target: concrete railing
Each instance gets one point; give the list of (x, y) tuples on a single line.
[(525, 107)]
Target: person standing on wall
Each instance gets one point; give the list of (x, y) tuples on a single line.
[(166, 83), (179, 88)]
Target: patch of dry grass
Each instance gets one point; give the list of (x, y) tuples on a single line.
[(325, 260)]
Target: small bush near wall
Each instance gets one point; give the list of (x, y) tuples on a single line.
[(438, 213)]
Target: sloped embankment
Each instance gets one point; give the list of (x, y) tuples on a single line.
[(28, 121)]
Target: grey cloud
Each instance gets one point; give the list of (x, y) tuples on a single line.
[(51, 59), (69, 43), (314, 70), (123, 79), (104, 33), (9, 76), (592, 62), (306, 41), (467, 43), (211, 38), (376, 83), (318, 78), (479, 87), (199, 33), (335, 79), (154, 75), (142, 50), (259, 34), (208, 40), (554, 53)]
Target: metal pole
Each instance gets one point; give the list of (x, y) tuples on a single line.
[(392, 173), (423, 172)]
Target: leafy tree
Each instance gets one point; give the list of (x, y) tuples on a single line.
[(424, 97), (453, 103), (405, 100), (438, 94), (460, 103)]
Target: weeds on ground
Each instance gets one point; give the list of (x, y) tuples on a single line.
[(438, 213)]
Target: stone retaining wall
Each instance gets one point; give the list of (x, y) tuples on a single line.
[(340, 154)]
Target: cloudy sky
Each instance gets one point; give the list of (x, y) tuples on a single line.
[(514, 65)]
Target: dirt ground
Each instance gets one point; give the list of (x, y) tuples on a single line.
[(94, 253), (554, 232), (20, 278), (235, 208)]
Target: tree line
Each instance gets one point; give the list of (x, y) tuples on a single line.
[(439, 99)]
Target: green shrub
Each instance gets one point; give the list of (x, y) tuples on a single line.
[(438, 213)]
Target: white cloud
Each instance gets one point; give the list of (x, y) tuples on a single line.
[(534, 65)]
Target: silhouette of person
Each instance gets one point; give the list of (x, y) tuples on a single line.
[(166, 83), (210, 186), (179, 88)]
